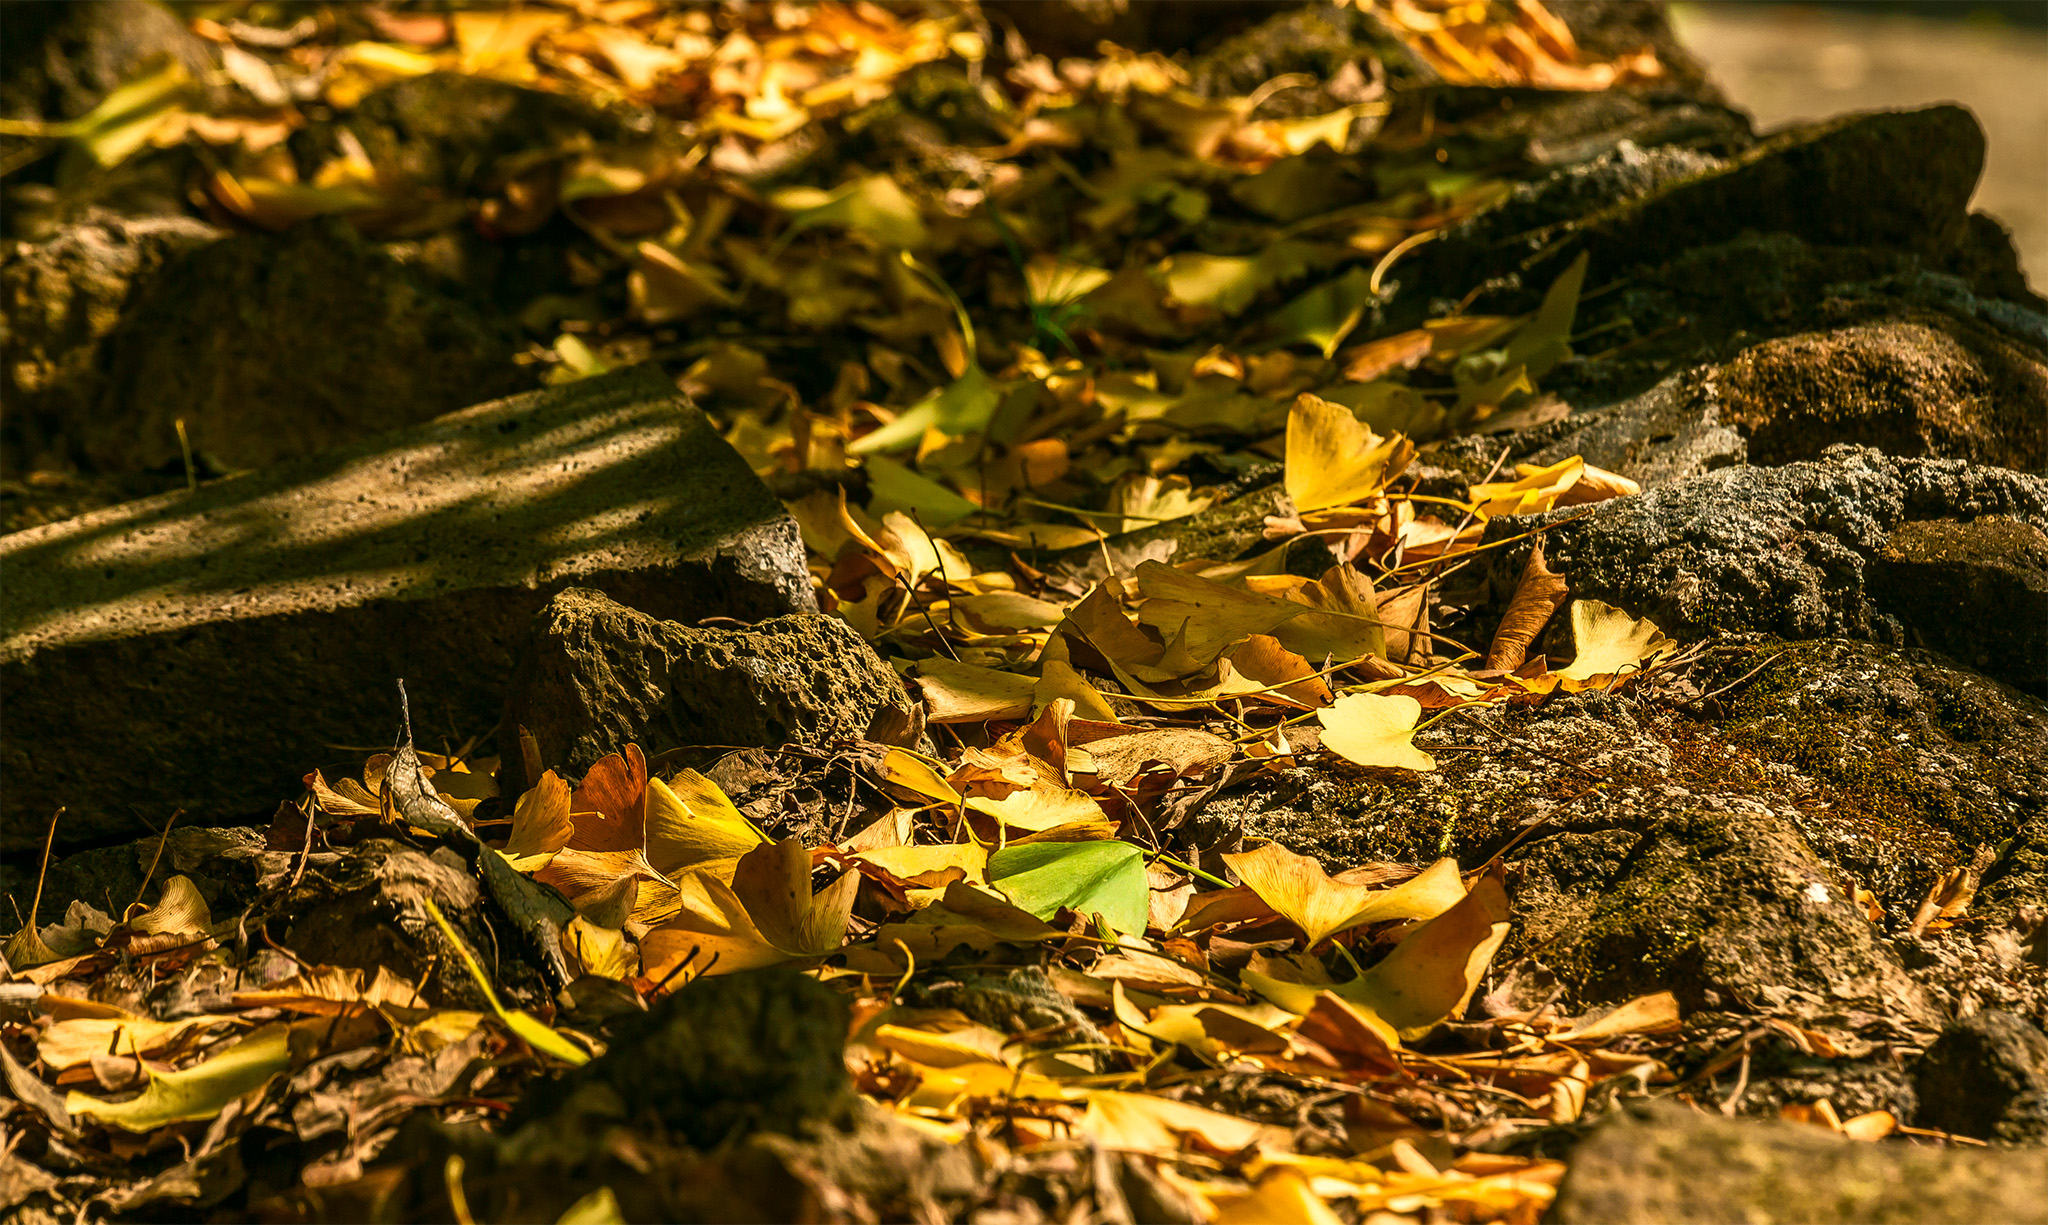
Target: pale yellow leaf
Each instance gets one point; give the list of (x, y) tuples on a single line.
[(1372, 729), (1610, 642), (1334, 459)]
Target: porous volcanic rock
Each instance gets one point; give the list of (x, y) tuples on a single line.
[(227, 636), (598, 676), (1987, 1076), (1921, 385), (278, 346), (1713, 844), (1787, 550), (62, 297)]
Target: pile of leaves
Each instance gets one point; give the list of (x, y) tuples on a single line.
[(988, 323)]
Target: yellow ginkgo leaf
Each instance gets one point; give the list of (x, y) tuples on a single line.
[(928, 865), (773, 882), (1373, 729), (1334, 459), (1433, 972), (1143, 500), (1042, 806), (602, 951), (691, 825), (1057, 678), (1205, 617), (1297, 888), (968, 693), (1143, 1123), (1610, 642), (1282, 1195), (1534, 491), (540, 824)]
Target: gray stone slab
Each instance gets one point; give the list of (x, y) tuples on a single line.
[(204, 650)]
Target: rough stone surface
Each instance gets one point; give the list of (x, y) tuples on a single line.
[(1977, 590), (61, 298), (272, 347), (1784, 550), (1886, 178), (62, 56), (598, 676), (1713, 845), (1654, 439), (1669, 1165), (224, 637), (1898, 180), (1719, 900), (725, 1056), (1918, 386), (1987, 1076)]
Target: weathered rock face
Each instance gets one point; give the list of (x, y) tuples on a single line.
[(1713, 845), (1789, 550), (1919, 386), (1719, 901), (423, 555), (1975, 589), (729, 1100), (62, 298), (61, 58), (598, 676), (1654, 439), (273, 347), (1987, 1076), (726, 1056), (1660, 1164)]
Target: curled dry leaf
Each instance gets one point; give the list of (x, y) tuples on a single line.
[(1538, 595)]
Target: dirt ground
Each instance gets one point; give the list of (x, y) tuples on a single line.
[(1791, 62)]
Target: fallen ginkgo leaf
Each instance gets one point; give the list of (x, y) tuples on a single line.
[(198, 1092), (1610, 642), (1334, 459), (1298, 889), (1372, 729)]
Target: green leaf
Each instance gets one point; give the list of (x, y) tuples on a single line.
[(907, 428), (968, 405), (898, 487), (1102, 877), (1546, 340), (874, 206), (1325, 315), (198, 1092)]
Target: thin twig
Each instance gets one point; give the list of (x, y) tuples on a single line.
[(1706, 697)]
